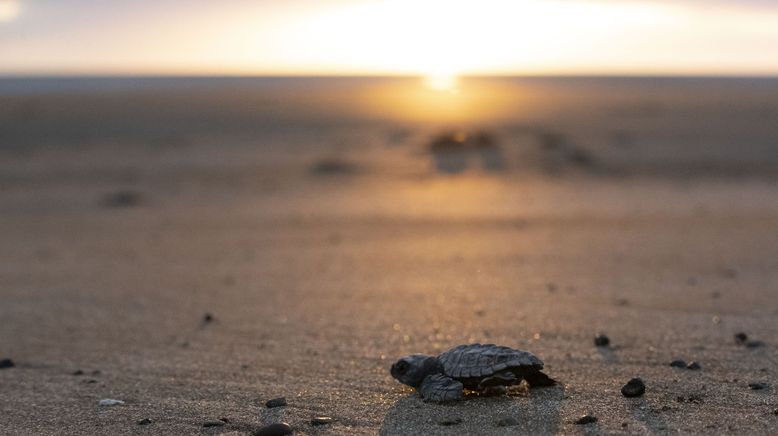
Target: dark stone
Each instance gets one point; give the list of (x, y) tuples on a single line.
[(276, 402), (678, 364), (754, 344), (89, 381), (121, 199), (601, 341), (333, 167), (633, 388), (741, 338), (218, 423), (507, 422), (6, 363), (586, 419), (322, 420), (758, 386), (208, 318), (144, 421), (693, 366), (775, 412), (277, 429), (449, 421), (78, 372)]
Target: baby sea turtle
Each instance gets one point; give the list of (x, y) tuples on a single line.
[(488, 369)]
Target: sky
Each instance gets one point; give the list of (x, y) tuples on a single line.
[(387, 37)]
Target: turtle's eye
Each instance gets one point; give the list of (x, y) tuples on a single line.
[(402, 366)]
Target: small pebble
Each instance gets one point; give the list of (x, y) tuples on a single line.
[(207, 318), (757, 386), (601, 341), (276, 402), (277, 429), (109, 402), (775, 412), (586, 419), (678, 364), (449, 421), (693, 366), (6, 363), (218, 423), (322, 420), (633, 388), (507, 422), (144, 421), (741, 338), (121, 199), (78, 372)]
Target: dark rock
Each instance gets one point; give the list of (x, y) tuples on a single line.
[(693, 366), (89, 381), (121, 199), (586, 419), (276, 402), (449, 421), (757, 386), (6, 363), (322, 420), (633, 388), (678, 364), (754, 344), (218, 423), (775, 412), (208, 318), (602, 341), (507, 422), (741, 338), (277, 429), (334, 166), (78, 372), (144, 421)]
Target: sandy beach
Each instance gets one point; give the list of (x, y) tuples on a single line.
[(195, 272)]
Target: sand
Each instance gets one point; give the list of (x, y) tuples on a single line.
[(317, 280)]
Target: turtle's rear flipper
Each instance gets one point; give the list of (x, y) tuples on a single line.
[(538, 379), (504, 378), (439, 388)]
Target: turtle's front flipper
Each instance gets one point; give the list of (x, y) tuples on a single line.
[(439, 388), (538, 379)]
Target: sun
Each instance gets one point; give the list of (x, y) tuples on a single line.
[(442, 81)]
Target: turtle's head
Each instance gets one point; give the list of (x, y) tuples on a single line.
[(412, 369)]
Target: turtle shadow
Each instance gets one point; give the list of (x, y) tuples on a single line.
[(537, 411)]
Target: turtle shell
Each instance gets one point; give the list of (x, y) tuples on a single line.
[(477, 360)]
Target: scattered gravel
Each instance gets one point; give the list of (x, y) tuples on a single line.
[(602, 340), (633, 388), (107, 402), (277, 429), (276, 402), (586, 419), (322, 420), (449, 421)]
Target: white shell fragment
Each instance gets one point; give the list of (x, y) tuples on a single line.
[(109, 402)]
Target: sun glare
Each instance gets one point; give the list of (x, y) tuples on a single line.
[(9, 9), (442, 82)]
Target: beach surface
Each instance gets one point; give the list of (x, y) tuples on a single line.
[(195, 274)]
